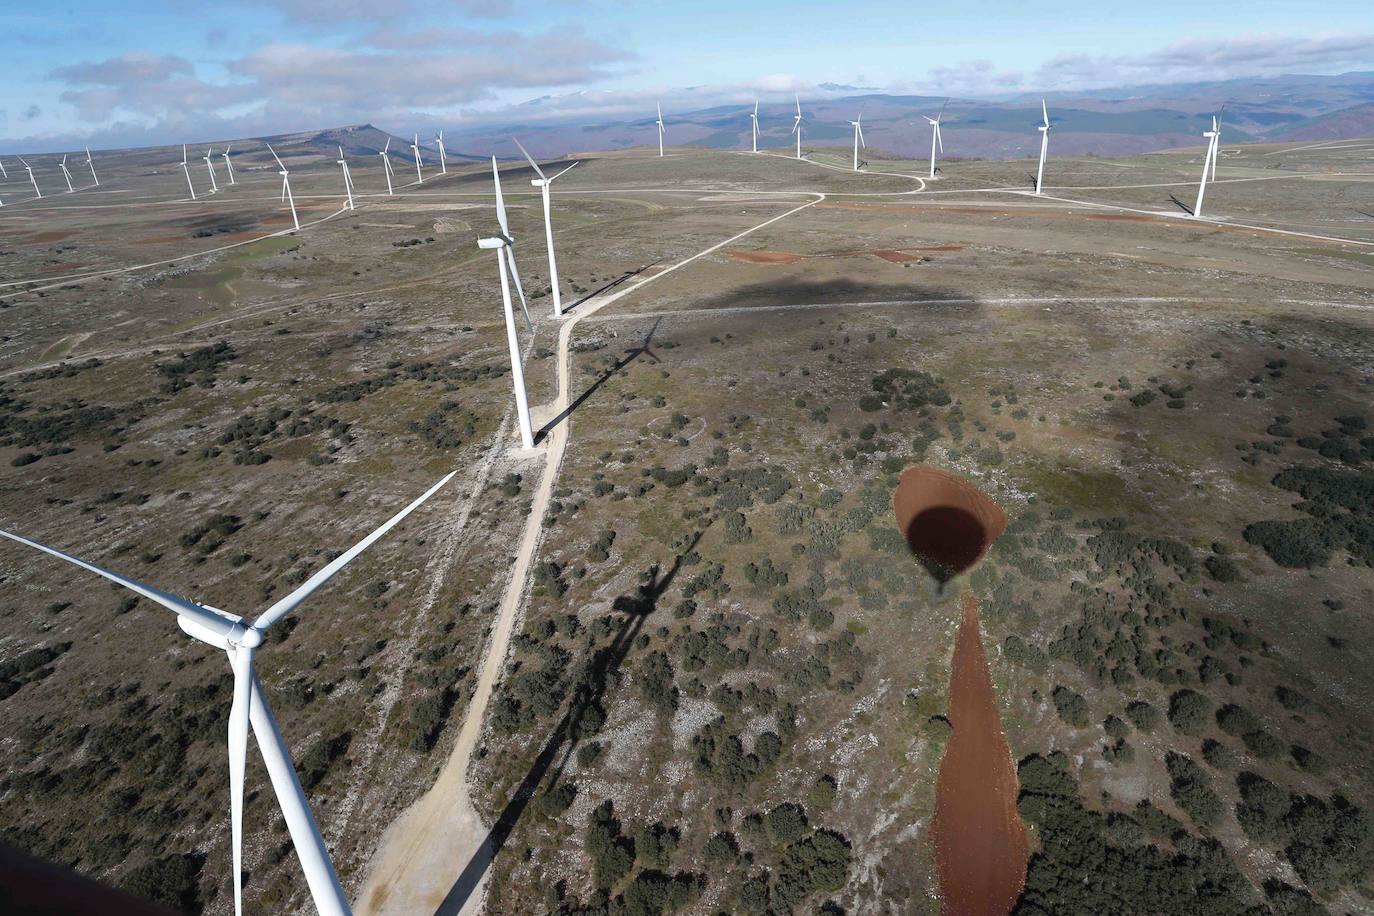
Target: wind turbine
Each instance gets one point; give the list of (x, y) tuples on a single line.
[(186, 167), (858, 138), (240, 639), (229, 166), (754, 123), (1216, 141), (286, 186), (661, 129), (348, 179), (796, 125), (386, 163), (443, 161), (1207, 164), (936, 138), (542, 183), (1044, 129), (420, 177), (210, 164), (66, 174), (28, 168), (4, 174), (92, 167), (504, 245)]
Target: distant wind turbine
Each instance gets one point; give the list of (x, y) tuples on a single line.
[(92, 167), (542, 183), (1207, 163), (228, 166), (3, 174), (66, 174), (443, 160), (936, 138), (858, 138), (240, 640), (386, 164), (661, 130), (32, 180), (285, 186), (186, 167), (1044, 129), (754, 124), (210, 164), (504, 245), (419, 175), (348, 179), (796, 125)]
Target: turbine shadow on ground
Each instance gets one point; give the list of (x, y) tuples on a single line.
[(609, 286), (630, 356), (1181, 205), (587, 694), (792, 291)]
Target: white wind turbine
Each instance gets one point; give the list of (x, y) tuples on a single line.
[(796, 125), (228, 166), (66, 174), (348, 179), (386, 163), (34, 181), (92, 167), (419, 176), (1207, 164), (1044, 129), (858, 138), (504, 245), (240, 639), (210, 164), (542, 183), (661, 129), (936, 138), (286, 186), (3, 174), (754, 124), (443, 160), (186, 167)]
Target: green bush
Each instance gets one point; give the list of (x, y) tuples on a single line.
[(1189, 711)]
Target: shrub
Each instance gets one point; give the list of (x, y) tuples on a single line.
[(172, 881), (1189, 711), (1191, 788), (1071, 706)]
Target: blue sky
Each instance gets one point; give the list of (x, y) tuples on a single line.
[(133, 72)]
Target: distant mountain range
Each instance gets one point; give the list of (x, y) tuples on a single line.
[(1103, 122)]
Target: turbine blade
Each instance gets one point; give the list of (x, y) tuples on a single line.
[(565, 171), (939, 138), (529, 159), (519, 287), (386, 148), (276, 157), (500, 201), (241, 658), (1045, 111), (291, 601)]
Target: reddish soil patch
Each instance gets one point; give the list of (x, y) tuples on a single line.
[(764, 257), (53, 235), (980, 841)]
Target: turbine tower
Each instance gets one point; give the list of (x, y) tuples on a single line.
[(4, 174), (796, 125), (34, 181), (91, 165), (754, 124), (228, 166), (443, 160), (1044, 129), (66, 174), (504, 246), (186, 167), (661, 129), (210, 164), (348, 179), (419, 175), (240, 639), (542, 183), (858, 138), (386, 163), (1207, 164), (936, 138), (286, 186)]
